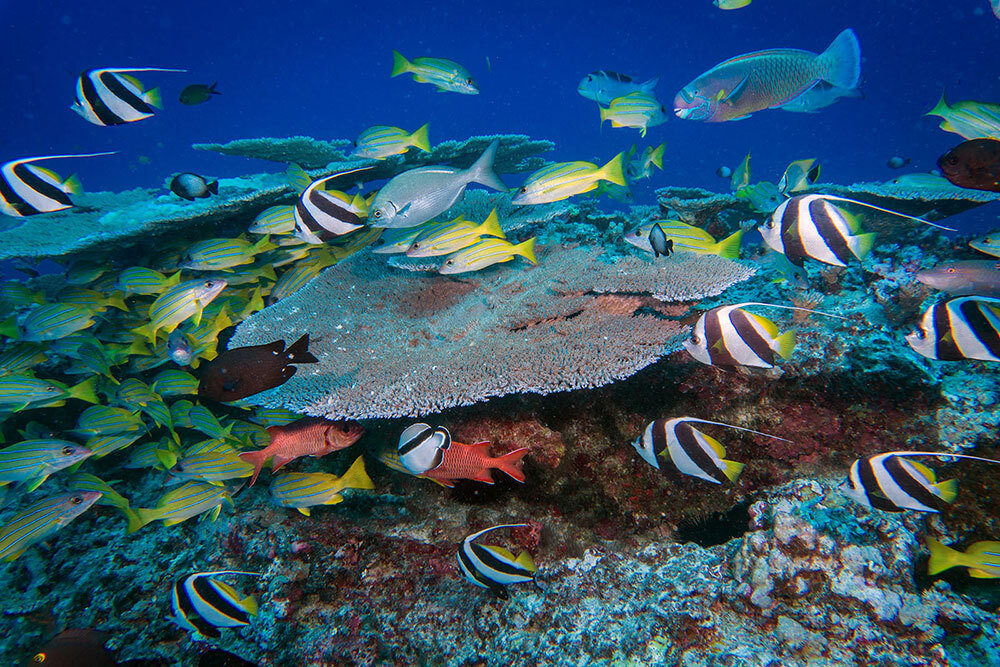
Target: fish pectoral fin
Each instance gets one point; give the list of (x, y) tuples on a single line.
[(733, 95), (406, 208), (35, 483), (304, 510), (741, 117)]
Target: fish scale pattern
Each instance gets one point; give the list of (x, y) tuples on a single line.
[(393, 344)]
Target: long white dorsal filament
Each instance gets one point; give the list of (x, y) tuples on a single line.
[(943, 454), (739, 428), (885, 210), (805, 310)]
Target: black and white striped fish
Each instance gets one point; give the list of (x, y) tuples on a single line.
[(27, 189), (321, 214), (689, 450), (731, 336), (892, 483), (421, 447), (112, 96), (494, 567), (966, 327), (202, 604), (811, 227)]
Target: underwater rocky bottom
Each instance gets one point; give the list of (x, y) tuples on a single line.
[(636, 566)]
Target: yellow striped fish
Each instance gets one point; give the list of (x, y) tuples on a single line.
[(32, 461), (55, 320), (102, 445), (82, 481), (304, 490), (212, 467), (88, 298), (382, 141), (175, 383), (292, 279), (141, 280), (968, 119), (41, 521), (446, 74), (107, 420), (564, 179), (637, 109), (21, 357), (454, 236), (18, 392), (274, 220), (179, 303), (221, 254), (187, 501), (487, 252), (687, 238)]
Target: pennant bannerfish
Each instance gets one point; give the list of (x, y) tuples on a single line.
[(446, 75), (604, 85), (494, 567), (112, 96), (966, 327), (203, 604), (322, 214), (736, 88), (27, 189)]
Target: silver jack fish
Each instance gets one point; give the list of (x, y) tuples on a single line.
[(416, 196)]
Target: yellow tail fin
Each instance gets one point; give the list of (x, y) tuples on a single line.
[(863, 244), (71, 185), (85, 391), (491, 226), (153, 98), (656, 157), (524, 560), (948, 490), (942, 557), (421, 140), (400, 65), (784, 344), (729, 247), (356, 477), (732, 469), (526, 250), (612, 171)]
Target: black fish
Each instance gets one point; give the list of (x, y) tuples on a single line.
[(973, 164), (661, 244), (198, 93), (192, 186), (75, 647), (245, 371)]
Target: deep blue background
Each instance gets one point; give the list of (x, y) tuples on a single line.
[(322, 69)]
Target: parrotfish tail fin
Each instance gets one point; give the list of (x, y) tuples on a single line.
[(840, 64), (420, 139), (72, 186), (648, 86), (135, 522), (356, 477), (482, 171), (940, 109), (526, 250), (729, 247), (297, 177), (86, 391), (511, 463), (731, 469), (524, 560), (213, 187), (400, 65), (863, 244), (942, 557), (656, 157), (948, 490), (153, 98), (612, 171), (298, 352), (784, 344), (491, 226)]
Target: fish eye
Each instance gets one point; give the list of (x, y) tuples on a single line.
[(952, 160), (590, 78), (950, 269), (39, 658), (523, 189), (449, 262), (76, 500), (469, 81), (377, 214), (638, 233), (208, 283), (67, 451), (415, 245), (50, 388), (695, 339)]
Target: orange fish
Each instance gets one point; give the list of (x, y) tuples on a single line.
[(311, 436), (430, 452)]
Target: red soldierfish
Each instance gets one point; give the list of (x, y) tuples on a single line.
[(734, 89), (430, 452), (311, 436)]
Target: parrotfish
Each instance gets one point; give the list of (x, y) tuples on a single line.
[(304, 490), (418, 195), (446, 75), (494, 567), (382, 141), (39, 521), (112, 96), (310, 436), (430, 452), (980, 277), (604, 85), (736, 88), (819, 97), (245, 371)]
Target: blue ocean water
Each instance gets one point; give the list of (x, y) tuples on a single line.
[(321, 69)]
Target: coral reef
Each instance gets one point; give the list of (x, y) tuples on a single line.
[(500, 331), (307, 152)]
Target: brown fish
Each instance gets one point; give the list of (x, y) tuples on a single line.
[(311, 436), (71, 648), (973, 164), (980, 277), (245, 371)]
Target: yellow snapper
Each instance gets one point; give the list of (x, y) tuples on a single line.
[(446, 74), (968, 119), (736, 88), (730, 4), (187, 501), (487, 252), (213, 467), (564, 179), (454, 236), (274, 220), (51, 321), (637, 109), (220, 254), (32, 461), (93, 299), (18, 392), (989, 244), (642, 166), (304, 490), (982, 559), (184, 301), (382, 141), (41, 521), (82, 481), (687, 238), (142, 280)]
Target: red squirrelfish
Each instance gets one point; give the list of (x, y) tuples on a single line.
[(311, 436), (734, 89), (430, 452)]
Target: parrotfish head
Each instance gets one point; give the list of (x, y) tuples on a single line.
[(691, 104)]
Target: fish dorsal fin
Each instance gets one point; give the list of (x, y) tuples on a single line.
[(767, 325), (228, 590), (131, 79), (250, 605), (853, 223), (716, 446), (924, 471), (525, 561), (297, 177), (483, 446), (504, 554)]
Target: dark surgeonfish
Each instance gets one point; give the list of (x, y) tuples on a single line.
[(192, 186), (245, 371), (27, 189), (494, 567), (72, 648), (967, 327), (112, 96), (198, 93), (892, 482), (973, 164), (980, 277)]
